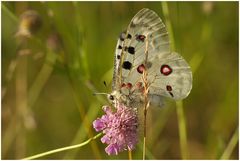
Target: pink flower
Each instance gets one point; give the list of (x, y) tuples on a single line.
[(120, 128)]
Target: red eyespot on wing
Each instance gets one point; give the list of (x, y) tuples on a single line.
[(140, 68), (123, 85), (166, 69), (129, 85), (140, 38), (139, 85)]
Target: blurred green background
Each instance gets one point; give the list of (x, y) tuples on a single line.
[(49, 75)]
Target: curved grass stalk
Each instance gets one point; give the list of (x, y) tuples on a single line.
[(42, 78), (82, 113), (230, 147), (62, 149)]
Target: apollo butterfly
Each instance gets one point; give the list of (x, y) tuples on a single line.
[(169, 75)]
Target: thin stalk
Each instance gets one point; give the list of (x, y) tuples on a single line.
[(82, 113), (179, 104), (62, 149), (10, 14), (129, 155), (80, 39), (42, 78), (21, 106), (182, 130), (144, 147), (148, 153), (146, 101), (9, 75), (230, 147), (80, 135), (168, 24)]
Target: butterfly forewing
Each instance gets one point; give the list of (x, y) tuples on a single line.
[(131, 46), (168, 73)]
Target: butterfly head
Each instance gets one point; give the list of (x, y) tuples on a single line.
[(114, 96)]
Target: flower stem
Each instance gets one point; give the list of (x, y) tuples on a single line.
[(144, 147), (129, 154), (230, 147), (62, 149)]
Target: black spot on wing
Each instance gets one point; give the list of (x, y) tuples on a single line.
[(127, 65), (171, 94), (169, 88), (129, 36), (131, 50)]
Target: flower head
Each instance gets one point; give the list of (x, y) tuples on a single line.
[(30, 23), (120, 128)]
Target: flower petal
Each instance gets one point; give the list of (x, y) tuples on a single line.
[(120, 128), (112, 149), (98, 125)]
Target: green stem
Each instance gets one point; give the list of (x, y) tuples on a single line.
[(179, 104), (182, 129), (129, 155), (230, 147), (62, 149), (168, 24), (144, 147), (11, 15), (148, 152), (42, 78)]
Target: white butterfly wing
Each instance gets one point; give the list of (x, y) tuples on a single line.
[(168, 73), (170, 76), (130, 48)]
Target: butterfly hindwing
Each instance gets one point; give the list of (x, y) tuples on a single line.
[(168, 73), (170, 76)]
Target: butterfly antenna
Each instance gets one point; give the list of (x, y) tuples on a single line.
[(99, 93), (105, 84)]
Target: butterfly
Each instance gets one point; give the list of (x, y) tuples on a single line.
[(145, 47)]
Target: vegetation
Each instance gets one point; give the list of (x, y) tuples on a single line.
[(49, 76)]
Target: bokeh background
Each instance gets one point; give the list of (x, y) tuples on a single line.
[(55, 55)]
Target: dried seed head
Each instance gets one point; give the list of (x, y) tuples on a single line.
[(207, 7), (30, 23)]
